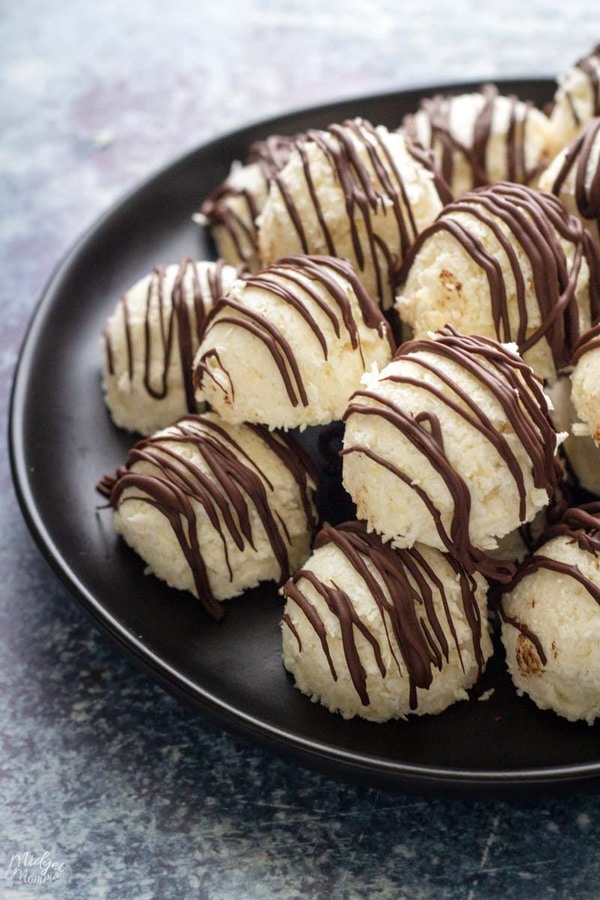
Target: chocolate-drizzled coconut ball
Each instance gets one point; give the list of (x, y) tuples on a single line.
[(574, 177), (507, 262), (354, 191), (579, 450), (576, 398), (482, 137), (583, 445), (287, 346), (150, 341), (215, 508), (585, 383), (451, 445), (381, 633), (577, 98), (230, 211), (551, 619)]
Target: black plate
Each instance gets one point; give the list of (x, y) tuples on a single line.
[(62, 441)]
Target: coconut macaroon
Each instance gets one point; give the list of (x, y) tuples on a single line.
[(354, 191), (230, 211), (574, 176), (582, 402), (287, 346), (451, 445), (577, 98), (585, 384), (150, 341), (508, 262), (381, 633), (214, 508), (579, 449), (482, 137), (551, 619)]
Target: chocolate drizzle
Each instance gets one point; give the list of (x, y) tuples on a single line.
[(238, 219), (403, 585), (525, 631), (171, 321), (579, 525), (299, 281), (229, 488), (589, 68), (448, 148), (577, 159), (589, 340), (535, 221), (512, 384), (372, 186)]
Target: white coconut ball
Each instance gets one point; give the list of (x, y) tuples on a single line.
[(505, 261), (481, 137), (231, 209), (287, 346), (380, 633), (150, 341), (577, 98), (450, 445), (551, 620), (354, 191), (215, 508)]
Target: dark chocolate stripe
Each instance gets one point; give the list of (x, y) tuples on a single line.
[(535, 221), (577, 159), (590, 71), (270, 155), (588, 341), (239, 224), (536, 563), (518, 392), (371, 184), (525, 631), (402, 584), (229, 493), (175, 327), (579, 525), (297, 281), (539, 561), (448, 147)]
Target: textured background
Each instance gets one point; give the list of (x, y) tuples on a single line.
[(129, 792)]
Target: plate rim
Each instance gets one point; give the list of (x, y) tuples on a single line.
[(305, 751)]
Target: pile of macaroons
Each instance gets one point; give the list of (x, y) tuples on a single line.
[(429, 288)]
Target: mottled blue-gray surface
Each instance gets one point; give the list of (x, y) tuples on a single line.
[(108, 785)]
